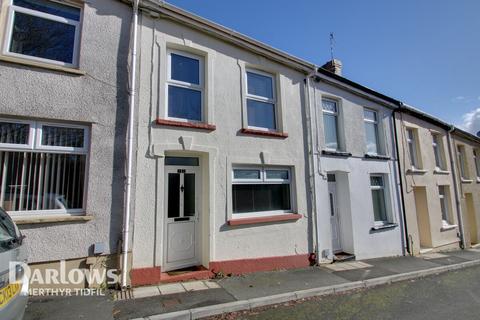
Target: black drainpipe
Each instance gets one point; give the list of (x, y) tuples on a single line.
[(400, 176)]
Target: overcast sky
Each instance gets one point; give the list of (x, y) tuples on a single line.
[(423, 52)]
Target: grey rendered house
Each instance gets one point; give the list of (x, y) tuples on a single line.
[(63, 110)]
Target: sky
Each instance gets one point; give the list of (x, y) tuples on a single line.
[(425, 53)]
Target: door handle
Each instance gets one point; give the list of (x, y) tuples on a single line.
[(182, 188)]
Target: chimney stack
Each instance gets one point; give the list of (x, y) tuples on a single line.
[(334, 66)]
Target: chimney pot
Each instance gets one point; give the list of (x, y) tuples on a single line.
[(334, 66)]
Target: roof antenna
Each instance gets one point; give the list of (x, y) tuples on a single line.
[(332, 43)]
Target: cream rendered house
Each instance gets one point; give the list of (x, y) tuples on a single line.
[(467, 155), (429, 189)]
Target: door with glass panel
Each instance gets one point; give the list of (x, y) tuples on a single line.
[(334, 221), (181, 217)]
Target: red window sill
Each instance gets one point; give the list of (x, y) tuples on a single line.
[(192, 125), (283, 217), (264, 133)]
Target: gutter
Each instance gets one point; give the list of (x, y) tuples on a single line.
[(131, 121), (456, 187)]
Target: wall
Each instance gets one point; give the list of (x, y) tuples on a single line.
[(97, 99), (429, 179), (218, 149), (356, 210), (469, 188)]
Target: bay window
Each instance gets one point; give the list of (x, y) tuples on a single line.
[(185, 87), (258, 191), (43, 30), (42, 167), (261, 101)]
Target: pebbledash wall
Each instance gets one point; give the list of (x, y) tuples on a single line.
[(93, 95), (351, 169), (220, 142), (422, 176)]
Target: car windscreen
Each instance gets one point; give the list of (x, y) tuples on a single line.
[(9, 234)]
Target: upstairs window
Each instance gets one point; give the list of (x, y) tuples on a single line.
[(370, 118), (438, 151), (377, 187), (412, 148), (462, 162), (330, 123), (261, 101), (476, 159), (261, 191), (45, 31), (185, 87), (42, 167)]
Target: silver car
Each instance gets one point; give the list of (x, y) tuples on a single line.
[(13, 283)]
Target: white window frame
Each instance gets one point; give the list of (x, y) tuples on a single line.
[(262, 99), (336, 122), (476, 160), (385, 199), (186, 85), (376, 125), (35, 146), (462, 161), (446, 203), (438, 151), (263, 180), (412, 148), (9, 27)]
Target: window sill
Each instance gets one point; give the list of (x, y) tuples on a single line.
[(416, 171), (42, 65), (448, 227), (51, 219), (191, 125), (384, 226), (335, 153), (273, 134), (277, 218), (466, 180), (376, 157), (440, 171)]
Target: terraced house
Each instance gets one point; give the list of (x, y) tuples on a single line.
[(63, 111)]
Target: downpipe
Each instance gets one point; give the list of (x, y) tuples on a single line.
[(131, 120)]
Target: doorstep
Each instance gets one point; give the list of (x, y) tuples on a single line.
[(197, 273), (170, 288)]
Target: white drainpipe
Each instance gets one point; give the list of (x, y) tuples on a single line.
[(131, 120)]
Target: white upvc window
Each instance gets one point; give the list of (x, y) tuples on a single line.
[(330, 124), (438, 151), (261, 100), (185, 87), (370, 118), (261, 191), (379, 198), (476, 160), (464, 174), (443, 195), (42, 167), (413, 148), (44, 31)]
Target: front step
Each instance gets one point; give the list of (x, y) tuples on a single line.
[(194, 273), (343, 256)]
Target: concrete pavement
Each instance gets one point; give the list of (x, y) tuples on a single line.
[(253, 290)]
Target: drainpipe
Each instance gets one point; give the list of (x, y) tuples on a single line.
[(131, 120), (400, 176), (312, 185), (456, 188)]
